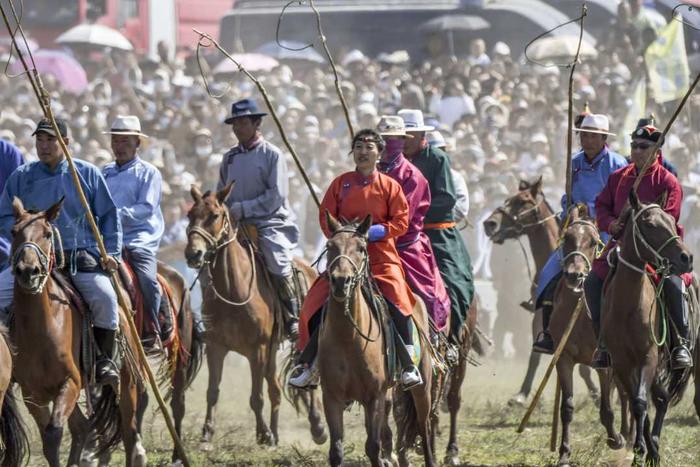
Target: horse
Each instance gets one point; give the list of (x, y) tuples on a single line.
[(632, 317), (47, 331), (240, 309), (13, 434), (528, 213), (351, 357), (579, 245)]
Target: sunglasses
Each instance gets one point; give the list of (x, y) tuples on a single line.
[(641, 145)]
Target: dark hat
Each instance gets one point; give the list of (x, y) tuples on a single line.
[(646, 121), (45, 126), (243, 108), (649, 133)]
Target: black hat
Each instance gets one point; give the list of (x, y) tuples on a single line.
[(647, 121), (244, 108), (649, 133), (46, 126)]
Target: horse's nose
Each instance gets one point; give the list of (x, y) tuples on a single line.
[(490, 226), (339, 282), (26, 272), (195, 257), (574, 276), (687, 259)]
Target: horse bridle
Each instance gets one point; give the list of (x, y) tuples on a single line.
[(580, 253), (46, 258), (519, 227)]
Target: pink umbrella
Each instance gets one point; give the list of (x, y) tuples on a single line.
[(67, 70), (251, 62)]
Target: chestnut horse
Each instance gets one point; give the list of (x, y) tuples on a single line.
[(13, 434), (528, 213), (240, 309), (579, 245), (351, 357), (632, 318), (47, 332)]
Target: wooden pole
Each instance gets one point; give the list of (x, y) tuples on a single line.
[(555, 418)]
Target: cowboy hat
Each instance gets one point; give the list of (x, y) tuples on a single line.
[(391, 125), (595, 123), (243, 108), (126, 125), (413, 119)]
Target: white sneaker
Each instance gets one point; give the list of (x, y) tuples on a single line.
[(410, 377), (305, 376)]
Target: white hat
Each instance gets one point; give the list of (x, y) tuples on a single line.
[(539, 138), (436, 139), (352, 57), (391, 125), (367, 108), (413, 119), (126, 125), (501, 48), (595, 123)]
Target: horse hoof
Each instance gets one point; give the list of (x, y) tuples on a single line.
[(517, 400), (616, 443), (320, 438), (452, 460), (205, 446), (266, 438), (564, 463)]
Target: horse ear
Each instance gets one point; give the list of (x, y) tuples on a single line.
[(363, 228), (524, 185), (661, 200), (196, 193), (332, 222), (17, 207), (634, 200), (582, 210), (53, 211), (222, 194), (536, 187)]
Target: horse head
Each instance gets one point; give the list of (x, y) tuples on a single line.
[(33, 245), (346, 255), (579, 244), (209, 224), (518, 212), (653, 234)]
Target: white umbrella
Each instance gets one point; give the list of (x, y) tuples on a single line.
[(250, 61), (559, 49), (95, 34)]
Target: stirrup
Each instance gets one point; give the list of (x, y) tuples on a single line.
[(107, 373), (305, 376), (681, 358), (544, 343), (411, 377)]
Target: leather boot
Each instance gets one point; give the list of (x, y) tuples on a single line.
[(107, 373), (290, 305), (678, 309), (545, 343), (593, 288)]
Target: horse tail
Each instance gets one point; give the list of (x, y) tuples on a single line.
[(677, 385), (12, 432), (196, 350), (106, 420)]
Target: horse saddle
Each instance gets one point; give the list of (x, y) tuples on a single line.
[(168, 310)]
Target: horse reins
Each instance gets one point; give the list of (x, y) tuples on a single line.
[(46, 259), (580, 253), (519, 227), (214, 245)]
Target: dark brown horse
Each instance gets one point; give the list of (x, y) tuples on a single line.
[(240, 309), (47, 333), (580, 243), (351, 357), (528, 213), (12, 430), (632, 320)]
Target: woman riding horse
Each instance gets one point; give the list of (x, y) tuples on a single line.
[(353, 195)]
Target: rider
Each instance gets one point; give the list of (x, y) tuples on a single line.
[(353, 195), (39, 185), (591, 168), (10, 159), (259, 197), (448, 246), (611, 209), (414, 247), (135, 186)]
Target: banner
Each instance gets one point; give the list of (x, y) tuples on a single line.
[(667, 63)]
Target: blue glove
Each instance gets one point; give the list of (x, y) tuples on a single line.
[(377, 232)]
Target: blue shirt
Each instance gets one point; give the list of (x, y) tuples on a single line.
[(136, 188), (589, 178), (10, 159), (39, 188)]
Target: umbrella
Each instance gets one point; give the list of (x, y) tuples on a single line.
[(63, 66), (559, 49), (30, 46), (274, 50), (96, 35), (251, 62), (455, 23)]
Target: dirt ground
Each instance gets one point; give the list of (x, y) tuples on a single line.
[(487, 435)]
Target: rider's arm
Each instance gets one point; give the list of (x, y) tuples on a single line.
[(274, 196), (604, 204), (106, 213), (442, 189), (397, 218), (674, 201), (148, 201), (329, 204)]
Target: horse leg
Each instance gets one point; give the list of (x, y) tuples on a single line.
[(626, 422), (177, 401), (131, 403), (334, 419), (422, 402), (607, 417), (585, 372), (215, 363), (374, 419), (661, 399), (258, 365), (313, 402), (639, 408), (52, 433), (41, 415), (565, 373), (521, 397), (387, 441), (274, 393), (79, 433), (454, 401), (696, 377)]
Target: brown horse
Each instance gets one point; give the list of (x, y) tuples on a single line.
[(12, 431), (351, 358), (632, 318), (240, 309), (528, 213), (47, 332), (580, 242)]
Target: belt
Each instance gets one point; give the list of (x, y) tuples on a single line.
[(439, 225)]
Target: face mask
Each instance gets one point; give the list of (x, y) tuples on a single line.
[(203, 151), (394, 147)]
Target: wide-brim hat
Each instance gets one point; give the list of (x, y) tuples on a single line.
[(392, 125), (595, 123), (129, 125), (413, 119), (243, 108)]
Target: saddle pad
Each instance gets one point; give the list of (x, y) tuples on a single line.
[(73, 295)]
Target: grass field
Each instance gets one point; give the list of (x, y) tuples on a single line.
[(487, 427)]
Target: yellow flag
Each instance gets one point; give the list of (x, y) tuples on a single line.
[(637, 110), (667, 63)]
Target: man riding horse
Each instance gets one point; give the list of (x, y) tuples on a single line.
[(612, 210), (591, 168), (259, 198), (39, 185)]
